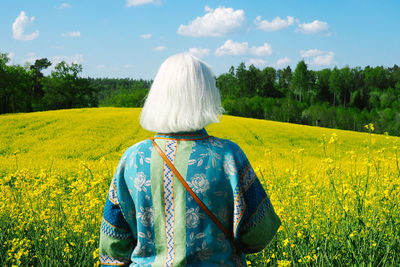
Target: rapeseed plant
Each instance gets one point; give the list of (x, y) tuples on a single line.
[(337, 192)]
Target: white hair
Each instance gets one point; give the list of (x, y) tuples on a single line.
[(182, 98)]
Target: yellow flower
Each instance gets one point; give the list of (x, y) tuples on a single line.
[(297, 174), (284, 263), (286, 242), (96, 253), (370, 127), (299, 234), (353, 234)]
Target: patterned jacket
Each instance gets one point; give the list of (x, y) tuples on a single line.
[(150, 219)]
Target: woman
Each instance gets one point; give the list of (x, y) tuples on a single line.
[(150, 217)]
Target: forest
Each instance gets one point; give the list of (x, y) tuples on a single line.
[(345, 98)]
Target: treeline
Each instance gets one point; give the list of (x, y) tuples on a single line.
[(346, 98), (27, 89), (120, 92)]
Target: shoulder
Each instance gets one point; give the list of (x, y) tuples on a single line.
[(142, 146), (226, 147), (233, 160), (140, 151)]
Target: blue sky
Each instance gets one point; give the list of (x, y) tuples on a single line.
[(131, 38)]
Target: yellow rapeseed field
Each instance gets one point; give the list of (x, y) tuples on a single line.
[(337, 192)]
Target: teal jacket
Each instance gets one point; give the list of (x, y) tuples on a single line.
[(150, 219)]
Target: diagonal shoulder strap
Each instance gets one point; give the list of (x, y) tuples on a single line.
[(195, 197)]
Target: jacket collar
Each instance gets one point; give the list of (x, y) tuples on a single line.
[(196, 135)]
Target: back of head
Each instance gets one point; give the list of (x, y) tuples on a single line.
[(182, 98)]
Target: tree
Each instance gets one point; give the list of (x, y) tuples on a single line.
[(284, 78), (268, 81), (252, 81), (322, 84), (3, 81), (394, 75), (348, 84), (359, 96), (65, 89), (37, 89), (312, 92), (228, 85), (335, 84), (15, 86), (241, 76), (376, 78), (301, 79)]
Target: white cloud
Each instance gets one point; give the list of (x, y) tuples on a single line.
[(274, 25), (232, 48), (318, 57), (64, 5), (11, 56), (257, 62), (199, 52), (145, 36), (77, 59), (282, 62), (19, 25), (236, 49), (128, 66), (315, 27), (160, 48), (99, 67), (31, 58), (130, 3), (215, 23), (71, 34), (310, 53), (264, 50), (324, 60)]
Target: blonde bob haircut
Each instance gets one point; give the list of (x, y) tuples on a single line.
[(182, 98)]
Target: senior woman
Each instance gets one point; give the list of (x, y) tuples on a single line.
[(184, 197)]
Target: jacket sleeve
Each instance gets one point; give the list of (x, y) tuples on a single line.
[(116, 239), (255, 221)]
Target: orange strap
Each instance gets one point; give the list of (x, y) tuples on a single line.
[(198, 200)]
